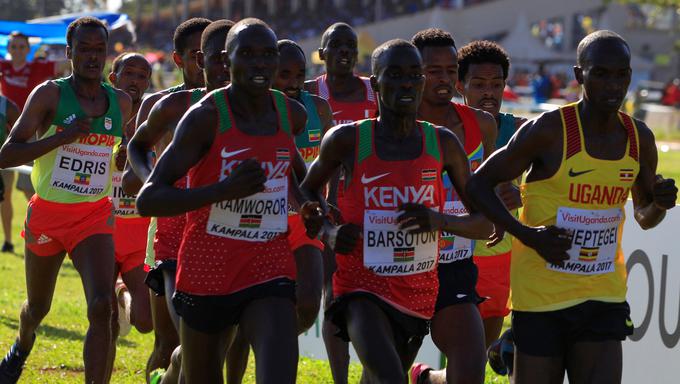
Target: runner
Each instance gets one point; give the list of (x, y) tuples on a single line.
[(18, 78), (130, 72), (235, 265), (9, 113), (482, 71), (71, 212), (457, 300), (568, 274), (351, 98), (385, 286), (290, 78)]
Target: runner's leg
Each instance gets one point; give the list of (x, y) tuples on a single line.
[(237, 358), (336, 349), (203, 354), (309, 264), (595, 362), (492, 329), (140, 311), (166, 338), (538, 369), (6, 208), (169, 281)]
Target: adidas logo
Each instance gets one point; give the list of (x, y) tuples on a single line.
[(70, 119), (43, 239)]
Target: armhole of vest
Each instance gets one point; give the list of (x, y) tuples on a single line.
[(431, 140), (571, 131), (365, 139), (633, 137), (282, 108), (220, 100)]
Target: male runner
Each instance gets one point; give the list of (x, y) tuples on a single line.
[(351, 98), (385, 286), (130, 72), (235, 265), (463, 344), (482, 71), (71, 211), (153, 136), (568, 274), (290, 78)]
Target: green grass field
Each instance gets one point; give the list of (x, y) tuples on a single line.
[(57, 356)]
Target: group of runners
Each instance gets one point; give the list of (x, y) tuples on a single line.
[(378, 199)]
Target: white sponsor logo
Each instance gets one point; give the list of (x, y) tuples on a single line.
[(367, 180), (226, 154), (70, 119)]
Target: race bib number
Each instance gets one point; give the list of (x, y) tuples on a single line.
[(123, 205), (451, 247), (389, 251), (82, 169), (260, 217), (594, 244)]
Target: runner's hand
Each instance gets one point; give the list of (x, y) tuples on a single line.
[(312, 217), (417, 218), (550, 242), (79, 128), (665, 193), (245, 180), (347, 238), (510, 195), (121, 157)]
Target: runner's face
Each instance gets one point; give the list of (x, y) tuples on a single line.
[(605, 75), (290, 77), (18, 48), (441, 73), (133, 77), (193, 74), (88, 53), (341, 51), (400, 80), (215, 71), (254, 58), (483, 87)]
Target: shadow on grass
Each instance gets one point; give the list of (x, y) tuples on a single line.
[(59, 333)]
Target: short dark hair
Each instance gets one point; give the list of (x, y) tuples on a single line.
[(85, 21), (119, 61), (383, 48), (433, 37), (597, 37), (238, 27), (186, 29), (217, 30), (17, 34), (482, 52), (291, 44), (327, 33)]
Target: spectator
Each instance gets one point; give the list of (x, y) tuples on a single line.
[(542, 85), (671, 94)]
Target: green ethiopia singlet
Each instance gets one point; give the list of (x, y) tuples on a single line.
[(309, 141), (79, 171)]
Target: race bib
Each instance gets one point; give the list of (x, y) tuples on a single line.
[(260, 217), (595, 240), (82, 169), (123, 205), (389, 251), (451, 247)]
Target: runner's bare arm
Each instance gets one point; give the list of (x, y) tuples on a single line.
[(193, 139), (36, 119), (146, 106), (125, 104), (652, 194), (325, 113)]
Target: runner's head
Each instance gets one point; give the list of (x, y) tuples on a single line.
[(187, 44), (603, 69), (290, 77), (339, 49), (131, 72), (210, 58), (252, 55), (397, 77), (18, 46), (440, 63), (482, 70), (86, 42)]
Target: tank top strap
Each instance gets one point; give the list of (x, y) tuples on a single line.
[(631, 129), (196, 95), (364, 145), (113, 100), (223, 112), (322, 87), (431, 140), (370, 95), (281, 103), (572, 132), (473, 135)]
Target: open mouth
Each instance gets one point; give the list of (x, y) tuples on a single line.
[(488, 104), (344, 61), (291, 92), (407, 99), (443, 91), (259, 80)]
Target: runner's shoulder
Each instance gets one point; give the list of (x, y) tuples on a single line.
[(543, 128), (646, 135), (311, 87), (341, 136)]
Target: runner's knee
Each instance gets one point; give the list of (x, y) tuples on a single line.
[(35, 311), (99, 309)]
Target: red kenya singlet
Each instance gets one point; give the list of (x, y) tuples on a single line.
[(345, 112), (398, 267), (235, 244)]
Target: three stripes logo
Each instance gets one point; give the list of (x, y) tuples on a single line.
[(250, 221), (282, 154), (626, 174), (82, 178), (429, 175), (588, 254), (402, 255), (127, 204), (314, 135)]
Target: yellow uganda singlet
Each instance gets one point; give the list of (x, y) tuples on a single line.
[(587, 196)]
